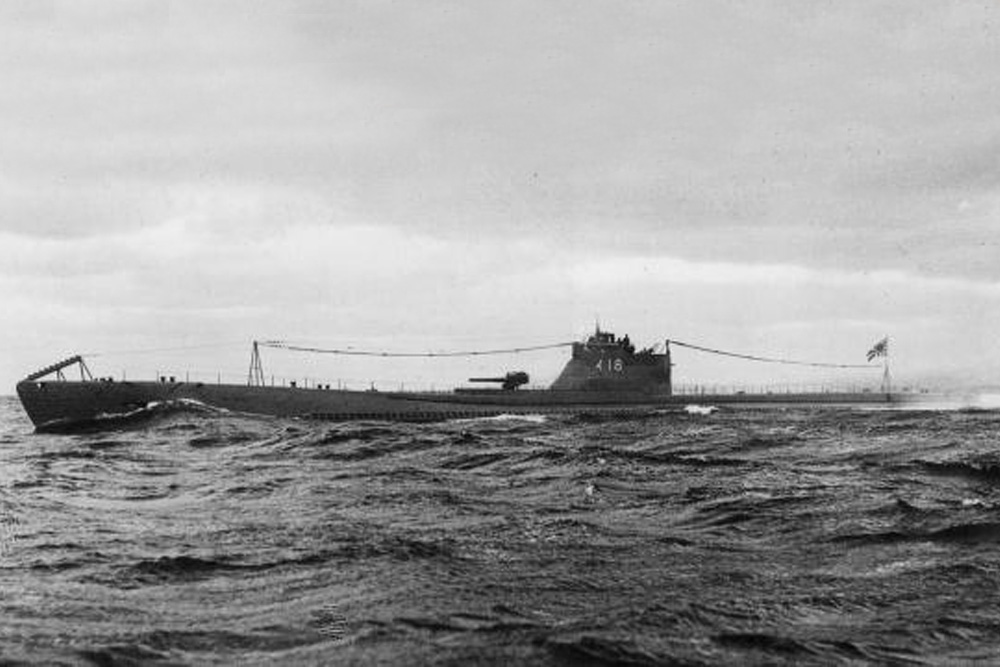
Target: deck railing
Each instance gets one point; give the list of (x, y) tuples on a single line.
[(391, 384)]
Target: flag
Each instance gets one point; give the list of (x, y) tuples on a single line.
[(880, 349)]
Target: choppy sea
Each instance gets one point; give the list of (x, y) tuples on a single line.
[(802, 536)]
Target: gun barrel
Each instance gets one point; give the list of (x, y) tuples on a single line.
[(511, 380)]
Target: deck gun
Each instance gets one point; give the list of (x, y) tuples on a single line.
[(510, 381)]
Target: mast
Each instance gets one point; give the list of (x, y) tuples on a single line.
[(255, 376), (668, 366), (886, 376)]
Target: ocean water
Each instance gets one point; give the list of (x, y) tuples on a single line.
[(738, 537)]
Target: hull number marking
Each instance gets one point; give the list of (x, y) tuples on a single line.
[(612, 365)]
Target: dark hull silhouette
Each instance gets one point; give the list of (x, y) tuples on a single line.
[(604, 376), (54, 406)]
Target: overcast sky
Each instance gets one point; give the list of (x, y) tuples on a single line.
[(793, 178)]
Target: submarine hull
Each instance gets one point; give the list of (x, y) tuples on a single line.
[(605, 374), (65, 405)]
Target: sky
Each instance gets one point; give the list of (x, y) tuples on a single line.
[(790, 178)]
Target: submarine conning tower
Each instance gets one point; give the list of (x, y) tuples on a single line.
[(608, 363)]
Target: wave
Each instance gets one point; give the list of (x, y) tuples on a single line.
[(968, 533), (779, 649), (394, 547), (610, 416), (597, 650), (688, 520), (907, 508), (70, 454), (161, 646), (473, 461), (687, 458), (979, 471), (963, 533), (124, 654), (466, 622), (186, 568), (356, 433), (363, 451), (765, 642), (507, 417), (140, 416), (180, 567)]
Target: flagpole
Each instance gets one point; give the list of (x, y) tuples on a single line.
[(881, 349), (886, 377)]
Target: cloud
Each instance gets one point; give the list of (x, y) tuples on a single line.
[(109, 116), (399, 289), (640, 271), (727, 170)]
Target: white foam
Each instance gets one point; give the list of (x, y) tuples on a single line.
[(986, 401), (533, 418)]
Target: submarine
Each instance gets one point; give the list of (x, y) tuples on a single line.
[(605, 375)]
